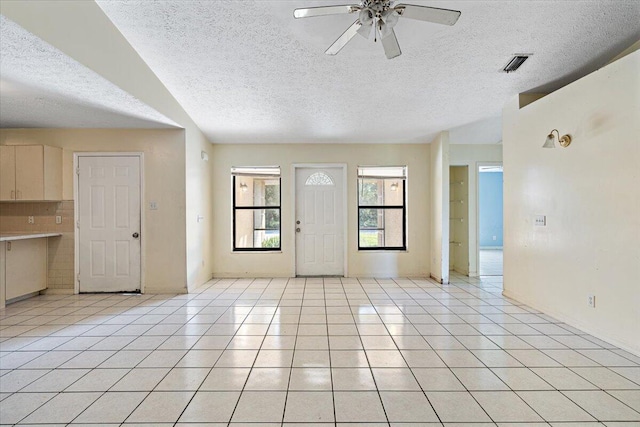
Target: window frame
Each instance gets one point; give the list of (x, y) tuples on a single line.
[(254, 208), (383, 207)]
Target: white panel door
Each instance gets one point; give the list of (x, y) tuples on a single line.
[(319, 222), (109, 223)]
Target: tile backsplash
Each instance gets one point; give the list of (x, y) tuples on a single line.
[(14, 218)]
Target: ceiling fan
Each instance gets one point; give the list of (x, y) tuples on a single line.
[(381, 17)]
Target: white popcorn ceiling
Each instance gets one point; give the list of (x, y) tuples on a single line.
[(42, 87), (248, 72)]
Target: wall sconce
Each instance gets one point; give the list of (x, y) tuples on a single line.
[(243, 187), (565, 140), (394, 186)]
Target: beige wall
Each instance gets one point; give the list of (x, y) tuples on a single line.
[(414, 262), (164, 181), (439, 211), (85, 33), (473, 155), (590, 195)]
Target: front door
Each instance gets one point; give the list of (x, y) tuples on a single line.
[(109, 223), (319, 222)]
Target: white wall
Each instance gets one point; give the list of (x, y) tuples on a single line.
[(413, 262), (473, 155), (590, 193), (164, 235), (439, 212), (83, 32)]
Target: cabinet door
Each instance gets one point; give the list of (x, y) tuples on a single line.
[(26, 267), (29, 172), (52, 173), (7, 172)]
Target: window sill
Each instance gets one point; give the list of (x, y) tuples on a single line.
[(374, 251), (256, 252)]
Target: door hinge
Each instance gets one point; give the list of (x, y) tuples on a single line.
[(78, 171), (77, 224), (78, 277)]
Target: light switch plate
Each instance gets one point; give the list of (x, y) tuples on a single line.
[(540, 220), (591, 301), (153, 206), (30, 220), (58, 219)]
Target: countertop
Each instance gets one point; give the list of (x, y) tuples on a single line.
[(5, 237)]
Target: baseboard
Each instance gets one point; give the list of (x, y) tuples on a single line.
[(164, 290), (576, 324), (49, 291)]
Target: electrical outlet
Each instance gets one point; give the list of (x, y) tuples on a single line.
[(58, 219), (540, 220), (591, 300), (30, 220), (153, 205)]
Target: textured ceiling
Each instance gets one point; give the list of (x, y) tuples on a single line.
[(42, 87), (247, 72)]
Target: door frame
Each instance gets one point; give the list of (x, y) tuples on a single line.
[(477, 172), (76, 234), (345, 224)]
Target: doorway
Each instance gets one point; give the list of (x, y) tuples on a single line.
[(319, 220), (459, 219), (490, 217), (108, 222)]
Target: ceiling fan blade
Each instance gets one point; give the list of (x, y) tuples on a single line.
[(391, 46), (344, 39), (429, 14), (308, 12)]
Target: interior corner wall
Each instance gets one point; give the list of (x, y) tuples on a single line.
[(439, 212), (410, 263), (473, 155), (199, 208), (164, 183), (589, 194), (81, 30)]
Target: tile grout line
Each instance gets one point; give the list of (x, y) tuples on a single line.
[(295, 346)]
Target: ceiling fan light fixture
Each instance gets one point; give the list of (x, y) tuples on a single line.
[(365, 31), (387, 21), (390, 17), (380, 16), (366, 16)]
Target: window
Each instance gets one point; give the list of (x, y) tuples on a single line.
[(381, 208), (319, 178), (256, 208)]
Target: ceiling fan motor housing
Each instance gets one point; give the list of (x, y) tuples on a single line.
[(377, 6)]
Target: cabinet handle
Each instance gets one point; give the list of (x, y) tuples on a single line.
[(19, 194), (13, 194), (8, 246)]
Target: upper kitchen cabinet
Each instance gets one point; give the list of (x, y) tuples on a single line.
[(30, 173)]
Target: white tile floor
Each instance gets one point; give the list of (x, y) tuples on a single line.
[(319, 352), (491, 261)]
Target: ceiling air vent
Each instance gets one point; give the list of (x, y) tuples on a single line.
[(515, 63)]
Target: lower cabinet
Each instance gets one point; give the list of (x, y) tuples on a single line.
[(25, 267)]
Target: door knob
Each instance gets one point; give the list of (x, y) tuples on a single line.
[(298, 230), (135, 235)]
